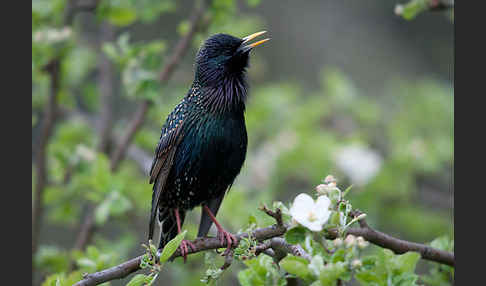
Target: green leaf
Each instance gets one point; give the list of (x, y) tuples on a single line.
[(102, 212), (443, 243), (332, 272), (295, 235), (110, 50), (247, 277), (412, 8), (405, 279), (346, 191), (114, 204), (121, 16), (316, 265), (406, 262), (339, 255), (253, 3), (367, 277), (86, 262), (137, 280), (297, 266), (172, 246)]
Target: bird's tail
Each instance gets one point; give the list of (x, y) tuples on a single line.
[(168, 224)]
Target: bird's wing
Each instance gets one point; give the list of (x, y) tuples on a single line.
[(206, 221), (162, 163)]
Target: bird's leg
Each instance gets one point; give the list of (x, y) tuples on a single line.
[(184, 243), (223, 235)]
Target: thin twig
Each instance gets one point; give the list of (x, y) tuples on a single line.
[(105, 125), (277, 214), (279, 245), (105, 83), (228, 259), (87, 229)]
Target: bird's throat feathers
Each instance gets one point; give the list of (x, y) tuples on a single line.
[(223, 94)]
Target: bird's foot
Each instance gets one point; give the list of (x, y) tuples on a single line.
[(184, 248), (228, 238)]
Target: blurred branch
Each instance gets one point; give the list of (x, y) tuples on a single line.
[(49, 118), (88, 227), (397, 245), (167, 71), (105, 82), (104, 124), (142, 158), (201, 244), (75, 6)]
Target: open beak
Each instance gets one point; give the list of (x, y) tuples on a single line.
[(246, 39)]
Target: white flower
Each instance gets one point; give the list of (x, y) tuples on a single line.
[(309, 213), (359, 163)]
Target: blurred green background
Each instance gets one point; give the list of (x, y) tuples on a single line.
[(344, 87)]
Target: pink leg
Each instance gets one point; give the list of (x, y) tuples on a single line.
[(185, 243), (223, 235)]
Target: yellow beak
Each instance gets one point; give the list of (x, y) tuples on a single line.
[(252, 36)]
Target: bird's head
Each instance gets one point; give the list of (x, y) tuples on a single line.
[(223, 56)]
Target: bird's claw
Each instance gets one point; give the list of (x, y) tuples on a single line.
[(230, 239), (183, 248)]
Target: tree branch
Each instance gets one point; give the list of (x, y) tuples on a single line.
[(141, 112), (201, 244), (53, 68), (397, 245), (105, 83), (275, 246), (281, 248), (75, 6)]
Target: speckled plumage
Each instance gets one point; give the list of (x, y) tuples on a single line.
[(204, 140)]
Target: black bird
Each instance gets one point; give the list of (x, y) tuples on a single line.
[(203, 142)]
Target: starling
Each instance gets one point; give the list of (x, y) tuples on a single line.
[(203, 142)]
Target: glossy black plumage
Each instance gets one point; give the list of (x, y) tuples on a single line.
[(204, 140)]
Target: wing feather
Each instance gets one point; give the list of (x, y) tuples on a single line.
[(163, 161)]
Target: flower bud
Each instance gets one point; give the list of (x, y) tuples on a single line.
[(356, 263), (323, 189), (338, 242), (330, 179), (361, 216), (350, 240), (362, 243)]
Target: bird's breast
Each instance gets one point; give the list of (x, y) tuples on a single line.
[(209, 157)]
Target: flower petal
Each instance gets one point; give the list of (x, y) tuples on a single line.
[(313, 226), (303, 203), (321, 209), (323, 202)]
